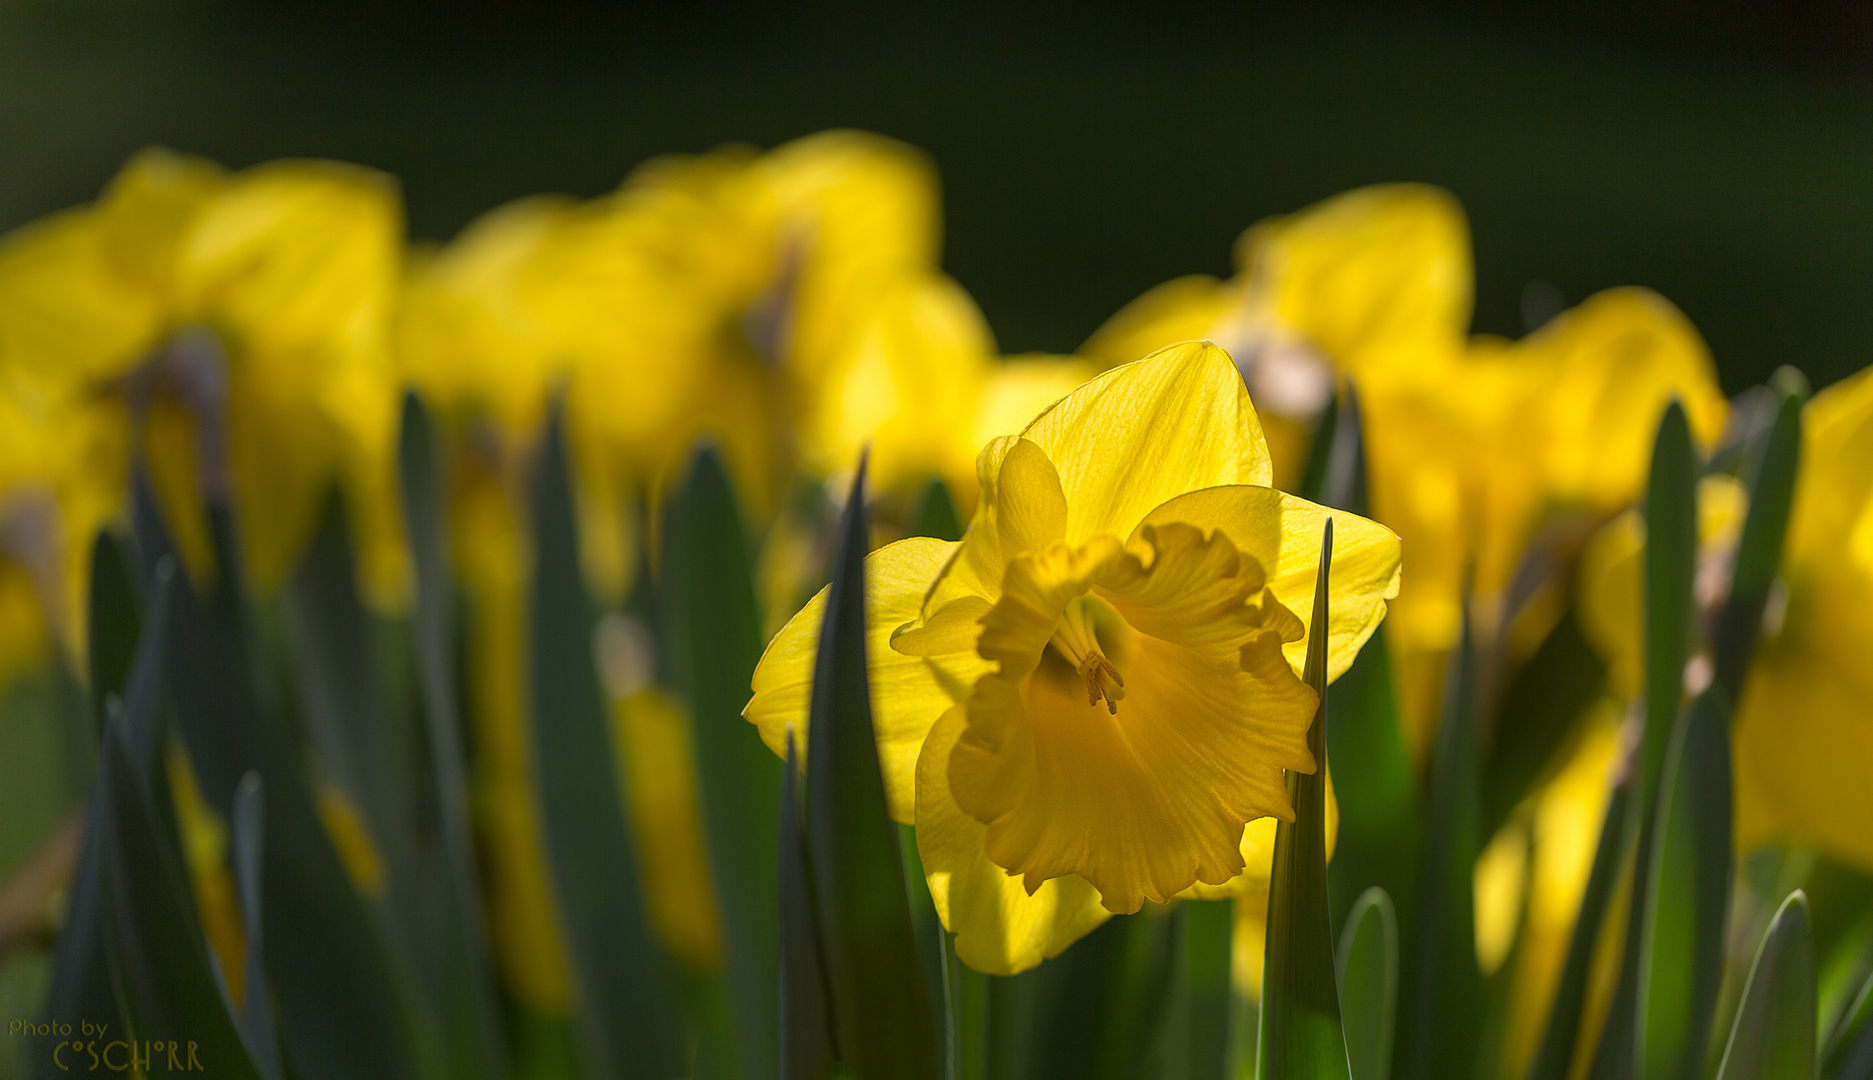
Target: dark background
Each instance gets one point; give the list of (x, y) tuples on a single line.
[(1721, 153)]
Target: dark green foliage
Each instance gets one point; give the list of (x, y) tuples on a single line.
[(628, 1024), (1367, 964), (805, 1015), (884, 1023), (1774, 1034), (1300, 1021), (1441, 991), (1682, 933), (710, 633)]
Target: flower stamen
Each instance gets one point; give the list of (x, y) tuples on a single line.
[(1074, 639)]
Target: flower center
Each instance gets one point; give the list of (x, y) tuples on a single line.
[(1074, 639)]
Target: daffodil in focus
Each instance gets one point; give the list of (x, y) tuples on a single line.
[(1083, 704)]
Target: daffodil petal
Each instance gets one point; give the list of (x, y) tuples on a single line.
[(908, 692), (1283, 532), (1175, 422), (999, 927)]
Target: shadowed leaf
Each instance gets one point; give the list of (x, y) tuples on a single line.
[(1681, 952), (711, 643), (1367, 963), (1300, 1022), (883, 1021), (625, 997), (1774, 1034)]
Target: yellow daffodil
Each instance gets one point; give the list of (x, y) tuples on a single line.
[(1801, 734), (246, 316), (1512, 452), (1369, 283), (1083, 704), (921, 386)]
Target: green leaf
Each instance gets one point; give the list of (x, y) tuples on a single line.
[(935, 514), (1098, 1007), (1441, 992), (1208, 932), (256, 1012), (115, 620), (1774, 1034), (1759, 550), (346, 1010), (1559, 1038), (1850, 1046), (461, 982), (625, 997), (1367, 963), (363, 746), (1319, 449), (169, 992), (967, 993), (1300, 1023), (805, 1014), (1545, 699), (883, 1019), (1376, 783), (711, 632), (1670, 563), (81, 987), (1681, 947), (1375, 775)]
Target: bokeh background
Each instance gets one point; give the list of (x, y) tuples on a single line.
[(1720, 153)]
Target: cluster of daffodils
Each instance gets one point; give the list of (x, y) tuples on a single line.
[(1093, 588)]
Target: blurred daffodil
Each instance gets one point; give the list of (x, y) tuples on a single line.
[(1494, 468), (1369, 283), (1083, 704), (1801, 733), (244, 317)]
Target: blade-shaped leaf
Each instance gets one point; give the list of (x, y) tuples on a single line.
[(256, 1012), (173, 999), (115, 620), (363, 745), (345, 1005), (711, 635), (1441, 991), (1376, 777), (81, 987), (1681, 950), (1564, 1016), (462, 984), (1670, 564), (1098, 1007), (805, 1013), (1300, 1023), (1552, 690), (883, 1020), (628, 1024), (935, 514), (1759, 549), (1849, 1051), (1209, 927), (1367, 963), (1774, 1034), (967, 1013)]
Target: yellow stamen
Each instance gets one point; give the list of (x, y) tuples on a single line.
[(1074, 639)]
